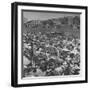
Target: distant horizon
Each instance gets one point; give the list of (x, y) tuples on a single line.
[(30, 15)]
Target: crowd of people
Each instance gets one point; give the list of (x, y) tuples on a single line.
[(50, 54)]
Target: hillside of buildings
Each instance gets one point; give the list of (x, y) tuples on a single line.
[(51, 47), (68, 25)]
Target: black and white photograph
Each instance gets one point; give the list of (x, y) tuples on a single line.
[(49, 44)]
